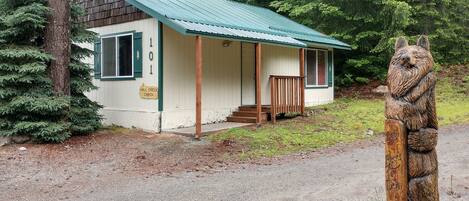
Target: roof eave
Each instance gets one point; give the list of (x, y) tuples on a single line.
[(252, 40), (336, 46), (342, 47)]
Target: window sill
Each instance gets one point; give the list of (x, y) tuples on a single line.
[(317, 87), (117, 78)]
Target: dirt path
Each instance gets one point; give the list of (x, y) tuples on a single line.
[(348, 173)]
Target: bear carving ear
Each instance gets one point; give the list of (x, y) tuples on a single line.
[(400, 43), (423, 42)]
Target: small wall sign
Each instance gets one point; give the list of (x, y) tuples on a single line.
[(149, 92)]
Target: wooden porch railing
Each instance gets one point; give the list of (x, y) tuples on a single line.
[(286, 95)]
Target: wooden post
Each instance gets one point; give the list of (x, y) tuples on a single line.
[(273, 99), (396, 160), (258, 82), (198, 87), (302, 82)]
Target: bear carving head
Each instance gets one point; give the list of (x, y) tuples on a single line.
[(411, 56), (409, 64)]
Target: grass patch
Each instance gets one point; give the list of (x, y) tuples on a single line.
[(343, 121), (452, 103)]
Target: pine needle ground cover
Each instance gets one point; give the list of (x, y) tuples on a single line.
[(346, 120)]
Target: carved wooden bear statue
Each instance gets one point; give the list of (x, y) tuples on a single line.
[(411, 100)]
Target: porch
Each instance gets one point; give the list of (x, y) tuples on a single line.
[(210, 80), (287, 93)]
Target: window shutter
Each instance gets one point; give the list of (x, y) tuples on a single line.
[(97, 59), (138, 55), (330, 72)]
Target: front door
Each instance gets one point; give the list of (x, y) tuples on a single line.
[(248, 74)]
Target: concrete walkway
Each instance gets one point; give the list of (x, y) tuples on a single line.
[(354, 175)]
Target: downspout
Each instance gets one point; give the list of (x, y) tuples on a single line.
[(160, 74)]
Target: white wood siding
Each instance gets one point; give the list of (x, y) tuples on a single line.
[(277, 60), (221, 88), (319, 96), (221, 80), (249, 74), (122, 103)]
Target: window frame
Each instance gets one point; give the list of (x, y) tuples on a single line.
[(326, 73), (116, 37)]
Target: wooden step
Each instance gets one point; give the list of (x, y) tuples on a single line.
[(249, 114), (241, 119), (253, 109)]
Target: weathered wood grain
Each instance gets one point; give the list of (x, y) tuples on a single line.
[(258, 82), (302, 75), (422, 164), (424, 188), (423, 140), (411, 101), (198, 86), (396, 160)]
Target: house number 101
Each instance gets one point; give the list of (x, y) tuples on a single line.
[(150, 56)]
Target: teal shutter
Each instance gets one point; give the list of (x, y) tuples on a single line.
[(97, 59), (330, 72), (138, 54)]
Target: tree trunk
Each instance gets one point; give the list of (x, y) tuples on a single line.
[(58, 44)]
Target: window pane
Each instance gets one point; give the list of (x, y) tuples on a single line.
[(311, 67), (109, 57), (125, 55), (322, 70)]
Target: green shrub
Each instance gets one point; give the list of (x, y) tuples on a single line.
[(344, 80), (362, 80)]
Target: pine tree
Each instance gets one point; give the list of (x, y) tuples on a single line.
[(28, 106), (371, 28), (84, 112), (447, 25), (27, 103)]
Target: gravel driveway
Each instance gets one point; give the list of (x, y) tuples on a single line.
[(350, 173)]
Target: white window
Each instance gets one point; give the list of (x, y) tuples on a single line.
[(117, 56), (316, 68)]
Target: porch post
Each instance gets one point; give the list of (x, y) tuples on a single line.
[(302, 84), (258, 82), (198, 87)]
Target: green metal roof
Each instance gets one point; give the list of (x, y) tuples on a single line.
[(229, 19)]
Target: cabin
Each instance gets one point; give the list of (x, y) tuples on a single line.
[(165, 64)]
